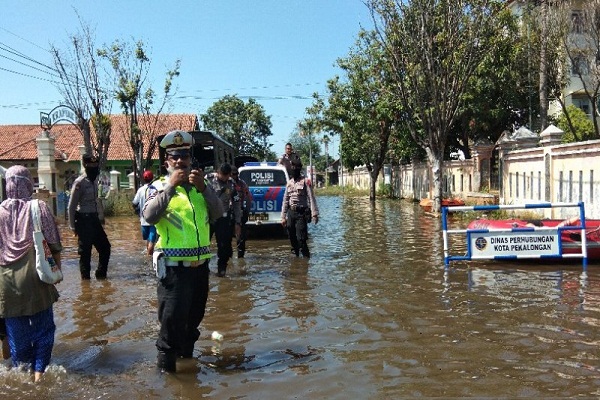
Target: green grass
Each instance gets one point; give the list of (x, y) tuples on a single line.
[(341, 190)]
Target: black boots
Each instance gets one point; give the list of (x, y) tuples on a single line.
[(85, 273), (166, 362), (221, 268), (101, 273)]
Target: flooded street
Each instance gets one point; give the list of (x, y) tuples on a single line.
[(372, 315)]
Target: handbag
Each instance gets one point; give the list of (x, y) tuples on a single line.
[(44, 264)]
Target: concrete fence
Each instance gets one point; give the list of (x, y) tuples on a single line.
[(542, 171)]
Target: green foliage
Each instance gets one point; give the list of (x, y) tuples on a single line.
[(385, 190), (245, 125), (488, 107), (583, 128), (433, 49), (118, 204)]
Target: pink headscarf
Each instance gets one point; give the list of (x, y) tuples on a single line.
[(16, 228)]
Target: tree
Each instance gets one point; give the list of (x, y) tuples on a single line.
[(360, 108), (499, 95), (435, 47), (578, 126), (244, 125), (305, 145), (131, 65), (84, 88)]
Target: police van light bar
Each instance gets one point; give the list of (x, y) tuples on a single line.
[(260, 164)]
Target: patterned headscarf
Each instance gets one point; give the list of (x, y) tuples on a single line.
[(16, 228)]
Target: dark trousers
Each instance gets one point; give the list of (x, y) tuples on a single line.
[(297, 228), (182, 296), (91, 233), (223, 231), (241, 241)]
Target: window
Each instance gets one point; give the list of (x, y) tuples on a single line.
[(576, 21), (583, 104), (579, 66), (264, 177)]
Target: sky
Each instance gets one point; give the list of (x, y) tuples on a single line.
[(278, 52)]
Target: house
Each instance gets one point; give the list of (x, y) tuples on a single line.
[(26, 145)]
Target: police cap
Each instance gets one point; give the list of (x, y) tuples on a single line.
[(177, 142)]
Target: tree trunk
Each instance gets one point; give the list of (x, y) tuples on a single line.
[(372, 191), (436, 168), (543, 88), (84, 125)]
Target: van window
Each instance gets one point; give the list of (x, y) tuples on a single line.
[(264, 177)]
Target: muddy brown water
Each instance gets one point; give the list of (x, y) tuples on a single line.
[(372, 315)]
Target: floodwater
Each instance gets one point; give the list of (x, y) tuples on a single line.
[(372, 315)]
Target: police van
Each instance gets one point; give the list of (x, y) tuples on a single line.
[(266, 182)]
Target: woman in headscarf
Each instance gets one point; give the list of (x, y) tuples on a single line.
[(25, 301)]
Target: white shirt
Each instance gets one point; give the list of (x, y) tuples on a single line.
[(140, 199)]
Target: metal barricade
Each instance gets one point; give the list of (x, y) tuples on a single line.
[(529, 242)]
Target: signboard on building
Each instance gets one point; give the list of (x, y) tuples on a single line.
[(60, 113)]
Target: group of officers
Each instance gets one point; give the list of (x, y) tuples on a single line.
[(180, 212)]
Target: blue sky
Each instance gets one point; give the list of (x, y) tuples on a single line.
[(276, 51)]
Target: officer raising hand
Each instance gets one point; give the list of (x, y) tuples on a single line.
[(181, 208)]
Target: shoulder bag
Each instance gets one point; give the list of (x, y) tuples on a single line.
[(48, 273)]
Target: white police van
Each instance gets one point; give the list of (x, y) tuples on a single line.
[(266, 182)]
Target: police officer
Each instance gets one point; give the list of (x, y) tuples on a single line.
[(181, 208), (287, 157), (223, 228), (86, 217), (241, 188), (299, 207)]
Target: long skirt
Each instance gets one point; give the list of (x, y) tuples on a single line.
[(31, 339)]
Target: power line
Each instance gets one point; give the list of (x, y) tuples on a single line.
[(23, 39), (28, 76), (25, 106), (27, 65), (256, 87), (9, 49)]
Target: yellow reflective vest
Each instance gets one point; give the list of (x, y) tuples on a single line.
[(184, 229)]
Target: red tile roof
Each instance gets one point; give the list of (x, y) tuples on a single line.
[(17, 142)]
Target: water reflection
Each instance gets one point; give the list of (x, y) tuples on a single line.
[(373, 314)]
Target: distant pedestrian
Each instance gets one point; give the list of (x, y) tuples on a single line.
[(86, 217), (148, 230), (243, 191), (299, 208), (286, 158), (230, 222), (26, 301), (181, 208)]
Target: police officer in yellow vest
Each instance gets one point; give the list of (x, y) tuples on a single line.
[(181, 209)]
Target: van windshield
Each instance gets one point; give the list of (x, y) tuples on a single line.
[(263, 177)]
